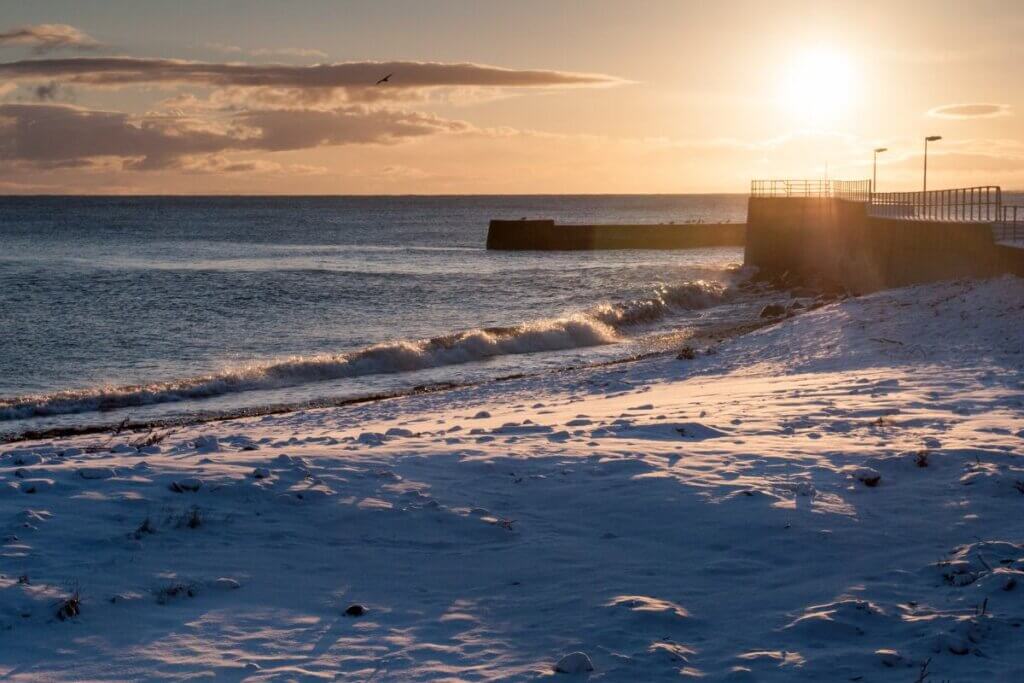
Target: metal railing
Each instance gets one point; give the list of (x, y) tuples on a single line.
[(982, 204), (1010, 226), (963, 205), (852, 190), (790, 188)]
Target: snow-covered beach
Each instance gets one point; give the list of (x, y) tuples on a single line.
[(834, 497)]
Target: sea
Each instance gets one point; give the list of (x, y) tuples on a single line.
[(169, 308)]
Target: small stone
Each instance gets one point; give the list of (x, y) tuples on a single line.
[(890, 658), (574, 663), (867, 476), (261, 473), (207, 444), (124, 448), (773, 311), (190, 484), (26, 458), (955, 645), (371, 438), (95, 473), (227, 584), (355, 610), (36, 485), (482, 415)]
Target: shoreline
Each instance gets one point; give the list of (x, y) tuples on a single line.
[(205, 417)]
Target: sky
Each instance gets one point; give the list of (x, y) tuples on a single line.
[(259, 97)]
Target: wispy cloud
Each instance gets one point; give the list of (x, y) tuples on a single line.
[(267, 52), (43, 38), (115, 71), (969, 111)]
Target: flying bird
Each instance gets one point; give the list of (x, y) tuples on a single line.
[(386, 79)]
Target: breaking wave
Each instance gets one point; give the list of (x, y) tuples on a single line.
[(601, 325)]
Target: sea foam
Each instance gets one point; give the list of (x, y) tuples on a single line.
[(598, 326)]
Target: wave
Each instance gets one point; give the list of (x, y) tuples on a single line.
[(598, 326)]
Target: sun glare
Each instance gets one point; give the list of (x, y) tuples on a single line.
[(817, 86)]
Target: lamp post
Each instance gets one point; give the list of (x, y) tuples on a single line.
[(874, 167), (930, 138)]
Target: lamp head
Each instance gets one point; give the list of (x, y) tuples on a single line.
[(879, 150), (933, 138)]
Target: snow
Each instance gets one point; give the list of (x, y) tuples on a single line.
[(652, 520)]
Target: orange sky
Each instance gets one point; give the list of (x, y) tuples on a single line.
[(488, 97)]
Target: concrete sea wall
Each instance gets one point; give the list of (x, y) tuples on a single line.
[(835, 241), (546, 235)]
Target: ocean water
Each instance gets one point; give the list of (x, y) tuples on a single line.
[(156, 308)]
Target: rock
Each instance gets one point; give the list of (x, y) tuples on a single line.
[(371, 438), (951, 643), (773, 311), (398, 431), (25, 458), (190, 484), (355, 610), (574, 663), (890, 658), (70, 452), (207, 444), (482, 415), (803, 488), (69, 608), (36, 485), (686, 353), (95, 473), (867, 476), (796, 306), (261, 473), (227, 584), (124, 448)]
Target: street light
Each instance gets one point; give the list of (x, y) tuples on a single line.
[(930, 138), (874, 167)]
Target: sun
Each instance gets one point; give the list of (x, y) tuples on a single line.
[(817, 86)]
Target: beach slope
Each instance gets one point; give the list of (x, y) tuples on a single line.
[(835, 497)]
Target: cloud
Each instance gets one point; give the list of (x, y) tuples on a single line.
[(52, 134), (43, 38), (969, 111), (268, 52), (115, 71), (217, 164)]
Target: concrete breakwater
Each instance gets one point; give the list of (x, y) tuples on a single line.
[(836, 241), (546, 235)]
